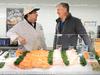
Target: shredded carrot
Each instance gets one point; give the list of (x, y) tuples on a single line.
[(86, 55)]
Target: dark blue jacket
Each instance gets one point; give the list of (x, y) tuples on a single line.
[(71, 28)]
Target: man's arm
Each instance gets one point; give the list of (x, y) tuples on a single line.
[(55, 39), (82, 32), (13, 35)]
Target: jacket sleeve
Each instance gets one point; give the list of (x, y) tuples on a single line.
[(12, 33), (43, 38), (55, 39), (82, 32)]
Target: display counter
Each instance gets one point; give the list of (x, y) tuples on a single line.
[(9, 68)]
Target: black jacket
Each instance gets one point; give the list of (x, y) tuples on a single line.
[(71, 28)]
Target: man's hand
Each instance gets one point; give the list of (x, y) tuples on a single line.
[(22, 40)]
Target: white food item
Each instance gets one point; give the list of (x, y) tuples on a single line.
[(57, 59), (74, 61), (72, 56)]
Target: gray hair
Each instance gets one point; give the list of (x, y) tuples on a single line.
[(64, 5)]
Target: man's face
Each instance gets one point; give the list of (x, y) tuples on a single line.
[(61, 11), (33, 16)]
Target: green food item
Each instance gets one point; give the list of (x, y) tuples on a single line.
[(6, 55), (2, 64), (18, 60), (96, 55), (98, 61), (83, 61), (64, 57), (24, 54), (50, 57)]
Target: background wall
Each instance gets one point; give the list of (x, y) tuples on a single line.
[(86, 10)]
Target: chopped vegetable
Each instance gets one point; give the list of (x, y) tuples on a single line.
[(7, 55), (96, 56), (86, 55), (50, 57), (2, 64), (18, 60), (83, 61), (64, 57)]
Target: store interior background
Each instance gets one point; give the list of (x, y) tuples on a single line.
[(86, 10)]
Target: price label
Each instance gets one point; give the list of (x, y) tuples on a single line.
[(91, 56), (84, 48), (59, 47), (12, 53), (40, 47), (71, 47)]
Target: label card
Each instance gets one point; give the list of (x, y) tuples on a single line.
[(59, 47), (40, 48), (12, 53), (91, 56), (84, 48), (71, 47)]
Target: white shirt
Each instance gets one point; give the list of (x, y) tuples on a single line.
[(33, 37)]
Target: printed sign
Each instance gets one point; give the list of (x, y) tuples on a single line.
[(14, 16), (91, 56), (12, 53), (92, 23)]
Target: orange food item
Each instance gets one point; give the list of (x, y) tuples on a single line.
[(19, 52), (98, 52), (37, 58), (86, 55)]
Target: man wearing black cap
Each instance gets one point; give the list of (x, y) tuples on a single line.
[(28, 32)]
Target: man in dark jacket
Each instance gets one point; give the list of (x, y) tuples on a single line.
[(68, 28)]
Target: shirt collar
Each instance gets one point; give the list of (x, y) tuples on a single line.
[(33, 25)]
